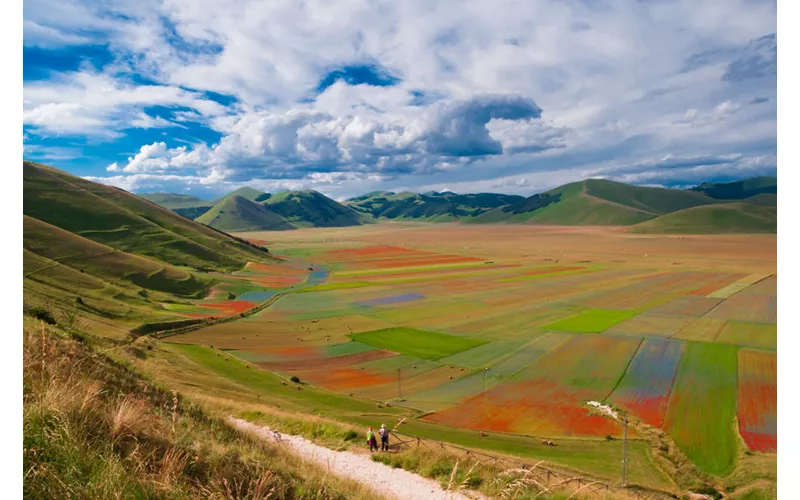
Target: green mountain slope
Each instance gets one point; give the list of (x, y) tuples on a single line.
[(738, 190), (235, 213), (120, 220), (569, 204), (430, 206), (647, 199), (311, 209), (246, 192), (173, 201), (738, 217)]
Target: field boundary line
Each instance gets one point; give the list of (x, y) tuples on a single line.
[(625, 371)]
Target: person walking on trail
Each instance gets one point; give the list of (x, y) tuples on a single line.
[(384, 432), (373, 444)]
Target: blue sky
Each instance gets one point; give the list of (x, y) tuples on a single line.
[(346, 97)]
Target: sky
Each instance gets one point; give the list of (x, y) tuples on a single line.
[(349, 96)]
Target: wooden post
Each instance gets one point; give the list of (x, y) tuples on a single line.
[(625, 452), (399, 391)]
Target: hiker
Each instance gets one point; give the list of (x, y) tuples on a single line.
[(384, 432), (373, 444)]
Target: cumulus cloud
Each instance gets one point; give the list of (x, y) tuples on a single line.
[(410, 93)]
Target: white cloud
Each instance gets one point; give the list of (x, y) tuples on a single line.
[(623, 81), (90, 103), (145, 121)]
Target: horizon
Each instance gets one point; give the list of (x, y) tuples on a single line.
[(515, 100), (389, 191)]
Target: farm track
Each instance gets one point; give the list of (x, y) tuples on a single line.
[(387, 481)]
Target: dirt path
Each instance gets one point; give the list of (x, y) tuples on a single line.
[(392, 483)]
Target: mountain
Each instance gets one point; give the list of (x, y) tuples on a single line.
[(113, 255), (431, 206), (739, 190), (247, 193), (235, 213), (312, 209), (737, 217), (595, 202), (173, 201)]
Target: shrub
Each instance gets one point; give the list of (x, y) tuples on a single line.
[(295, 379), (42, 314)]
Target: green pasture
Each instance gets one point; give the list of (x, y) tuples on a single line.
[(702, 408), (591, 321), (414, 342)]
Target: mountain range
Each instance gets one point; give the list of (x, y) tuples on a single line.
[(748, 205)]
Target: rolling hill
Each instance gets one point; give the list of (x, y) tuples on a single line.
[(113, 255), (595, 202), (432, 206), (311, 209), (246, 192), (737, 217), (248, 209), (121, 220), (235, 213)]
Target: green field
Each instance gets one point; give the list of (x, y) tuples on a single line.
[(414, 342), (705, 386), (591, 321)]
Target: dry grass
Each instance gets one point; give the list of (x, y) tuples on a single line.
[(93, 428)]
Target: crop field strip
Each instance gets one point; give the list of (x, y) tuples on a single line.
[(647, 383), (757, 399), (705, 384)]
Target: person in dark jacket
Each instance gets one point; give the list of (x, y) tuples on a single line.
[(384, 432)]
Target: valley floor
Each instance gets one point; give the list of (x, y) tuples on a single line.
[(489, 337)]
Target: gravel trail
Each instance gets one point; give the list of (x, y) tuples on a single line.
[(392, 483)]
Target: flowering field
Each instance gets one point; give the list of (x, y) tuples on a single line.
[(547, 397), (646, 386), (519, 345), (758, 398)]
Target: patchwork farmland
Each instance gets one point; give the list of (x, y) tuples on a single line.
[(483, 337)]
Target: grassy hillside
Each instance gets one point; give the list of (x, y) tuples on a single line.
[(246, 192), (173, 201), (647, 199), (738, 190), (235, 213), (94, 428), (595, 202), (431, 206), (725, 218), (311, 209), (765, 199), (128, 223)]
